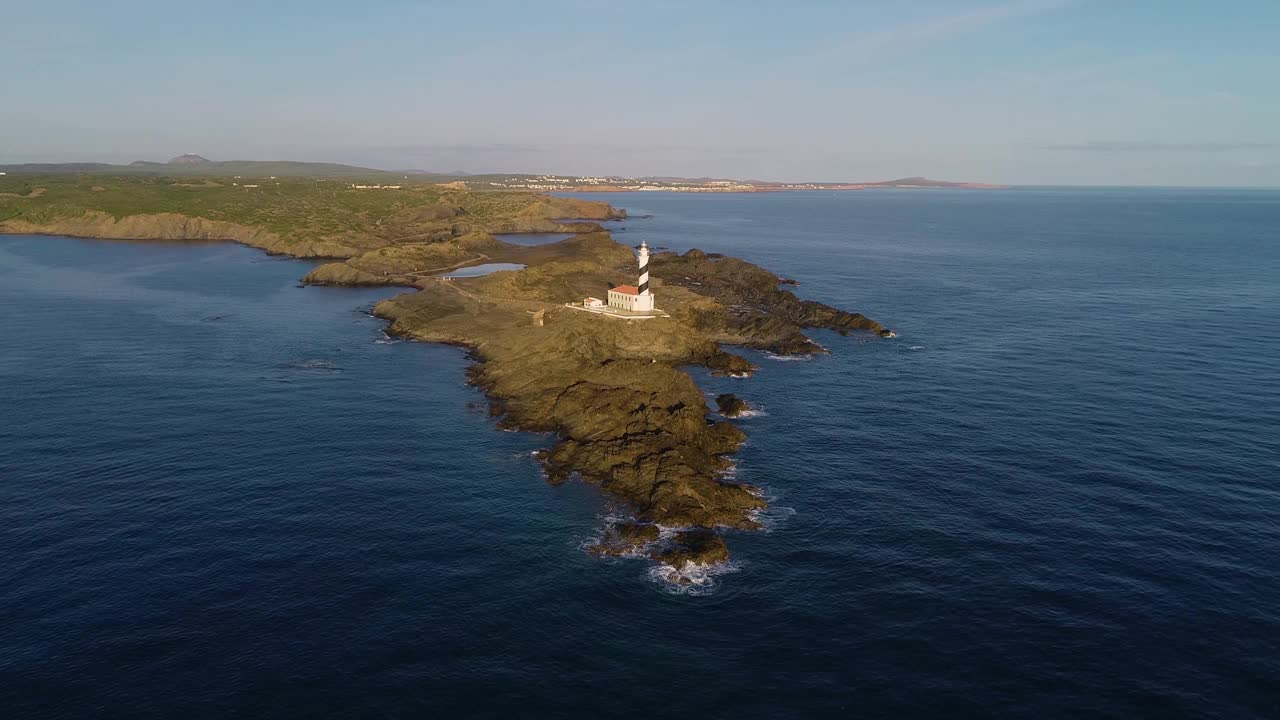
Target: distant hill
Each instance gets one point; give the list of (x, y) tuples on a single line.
[(190, 165), (925, 182), (197, 165)]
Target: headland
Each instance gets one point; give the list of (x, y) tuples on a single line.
[(626, 415)]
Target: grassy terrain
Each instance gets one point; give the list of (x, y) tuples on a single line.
[(286, 206), (313, 217), (282, 206)]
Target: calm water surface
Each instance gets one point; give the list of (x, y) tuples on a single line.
[(529, 239), (1054, 495), (482, 270)]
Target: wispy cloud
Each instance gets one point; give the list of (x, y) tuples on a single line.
[(1131, 146), (918, 35)]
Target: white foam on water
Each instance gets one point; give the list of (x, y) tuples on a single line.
[(787, 358), (692, 579), (916, 348), (607, 523), (751, 413), (730, 472), (772, 517)]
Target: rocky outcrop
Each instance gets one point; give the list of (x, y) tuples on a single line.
[(731, 405), (723, 363), (626, 415), (558, 208), (625, 538), (700, 547), (346, 275), (755, 311), (172, 226)]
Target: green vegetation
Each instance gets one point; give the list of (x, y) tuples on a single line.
[(282, 206), (293, 210)]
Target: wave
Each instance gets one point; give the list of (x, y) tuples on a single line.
[(787, 358), (773, 516), (692, 579), (311, 364), (594, 542)]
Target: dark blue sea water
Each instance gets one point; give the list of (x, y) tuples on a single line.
[(1055, 495)]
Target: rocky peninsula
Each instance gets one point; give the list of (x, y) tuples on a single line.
[(626, 415)]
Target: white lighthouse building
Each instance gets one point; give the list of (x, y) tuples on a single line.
[(635, 298)]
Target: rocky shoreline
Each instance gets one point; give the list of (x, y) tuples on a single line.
[(627, 417)]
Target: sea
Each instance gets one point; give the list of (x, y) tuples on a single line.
[(1055, 494)]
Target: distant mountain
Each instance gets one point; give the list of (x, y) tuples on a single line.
[(189, 159), (925, 182)]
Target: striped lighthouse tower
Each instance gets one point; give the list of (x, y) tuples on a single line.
[(644, 268), (642, 300)]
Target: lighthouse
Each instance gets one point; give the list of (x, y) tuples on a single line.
[(644, 270), (634, 298)]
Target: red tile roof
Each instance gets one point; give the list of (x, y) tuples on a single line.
[(627, 290)]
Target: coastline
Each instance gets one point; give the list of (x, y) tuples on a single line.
[(627, 417)]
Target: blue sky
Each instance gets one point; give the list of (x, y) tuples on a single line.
[(1172, 92)]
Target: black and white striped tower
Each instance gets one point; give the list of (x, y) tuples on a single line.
[(644, 268)]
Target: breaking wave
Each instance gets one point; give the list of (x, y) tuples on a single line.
[(692, 579)]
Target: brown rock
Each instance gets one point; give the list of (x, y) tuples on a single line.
[(624, 538), (698, 547), (731, 405)]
